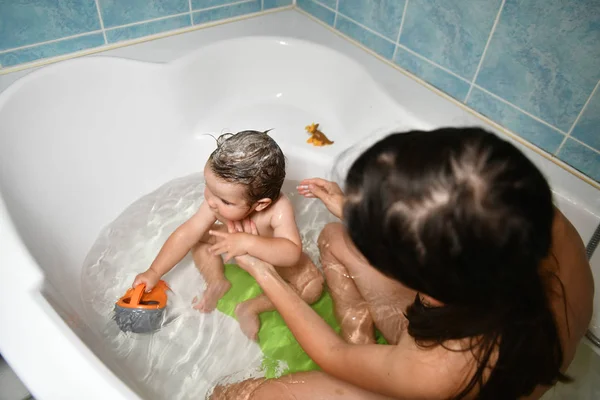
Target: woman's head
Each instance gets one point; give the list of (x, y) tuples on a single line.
[(463, 216)]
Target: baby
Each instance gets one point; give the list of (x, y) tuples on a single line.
[(243, 179)]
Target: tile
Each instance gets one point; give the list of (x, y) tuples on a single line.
[(329, 3), (147, 28), (545, 58), (588, 127), (453, 33), (439, 78), (523, 125), (215, 14), (201, 4), (25, 22), (121, 12), (317, 11), (268, 4), (383, 16), (51, 49), (379, 45), (582, 158)]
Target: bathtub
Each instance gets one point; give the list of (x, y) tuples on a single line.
[(80, 140)]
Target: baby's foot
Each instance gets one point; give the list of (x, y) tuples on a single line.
[(211, 296), (248, 320)]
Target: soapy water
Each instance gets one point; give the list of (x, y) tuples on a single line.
[(192, 351)]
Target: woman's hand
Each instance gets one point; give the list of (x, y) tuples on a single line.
[(328, 192), (236, 241), (248, 263)]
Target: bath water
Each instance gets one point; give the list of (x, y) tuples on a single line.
[(192, 351)]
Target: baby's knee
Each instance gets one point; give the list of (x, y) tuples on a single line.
[(312, 291), (200, 248)]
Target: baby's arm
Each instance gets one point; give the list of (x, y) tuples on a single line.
[(285, 247), (177, 246)]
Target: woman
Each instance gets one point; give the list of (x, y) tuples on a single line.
[(453, 250)]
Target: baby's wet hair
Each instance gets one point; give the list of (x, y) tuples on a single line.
[(250, 158)]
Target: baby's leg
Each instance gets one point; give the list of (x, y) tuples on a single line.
[(247, 314), (212, 269), (304, 278), (351, 309)]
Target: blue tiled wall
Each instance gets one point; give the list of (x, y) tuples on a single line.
[(533, 66), (530, 65), (35, 29)]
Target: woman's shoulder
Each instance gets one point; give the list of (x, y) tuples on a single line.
[(570, 284), (446, 369)]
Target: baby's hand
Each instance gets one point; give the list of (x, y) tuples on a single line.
[(149, 278), (235, 243)]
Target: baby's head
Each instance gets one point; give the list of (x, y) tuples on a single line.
[(244, 174)]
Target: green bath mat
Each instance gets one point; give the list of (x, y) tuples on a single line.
[(282, 353)]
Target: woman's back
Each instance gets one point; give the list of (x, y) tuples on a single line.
[(573, 311), (473, 227)]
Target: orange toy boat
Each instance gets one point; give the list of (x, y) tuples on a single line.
[(141, 312)]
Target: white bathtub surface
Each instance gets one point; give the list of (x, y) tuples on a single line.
[(83, 139)]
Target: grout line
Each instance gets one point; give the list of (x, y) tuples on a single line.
[(550, 157), (49, 41), (337, 12), (101, 22), (407, 49), (191, 16), (103, 29), (222, 5), (368, 29), (538, 119), (554, 159), (178, 15), (146, 21), (560, 146), (262, 5), (324, 5), (578, 118), (400, 30), (433, 63), (485, 49), (583, 144), (111, 46)]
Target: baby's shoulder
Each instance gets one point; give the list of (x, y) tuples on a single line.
[(280, 210), (282, 204)]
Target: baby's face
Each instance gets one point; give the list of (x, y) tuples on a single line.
[(225, 199)]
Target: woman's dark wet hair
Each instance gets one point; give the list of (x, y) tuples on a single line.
[(463, 216)]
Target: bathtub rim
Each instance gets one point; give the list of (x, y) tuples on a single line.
[(4, 215)]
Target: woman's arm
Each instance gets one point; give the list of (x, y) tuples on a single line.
[(386, 370)]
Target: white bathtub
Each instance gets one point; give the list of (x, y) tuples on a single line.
[(82, 139)]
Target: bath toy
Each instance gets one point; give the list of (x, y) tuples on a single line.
[(317, 138), (141, 312)]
